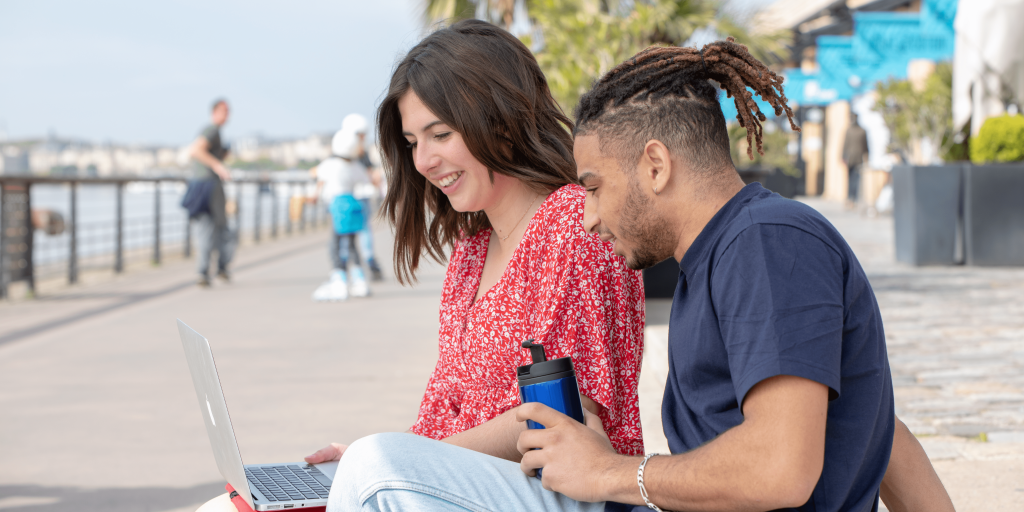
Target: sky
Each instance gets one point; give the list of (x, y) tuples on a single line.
[(142, 72), (133, 71)]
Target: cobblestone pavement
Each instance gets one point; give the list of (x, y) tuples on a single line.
[(955, 336)]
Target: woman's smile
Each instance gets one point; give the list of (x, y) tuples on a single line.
[(447, 181)]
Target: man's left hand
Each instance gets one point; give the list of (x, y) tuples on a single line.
[(576, 457)]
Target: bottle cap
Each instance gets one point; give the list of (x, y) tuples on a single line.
[(543, 370)]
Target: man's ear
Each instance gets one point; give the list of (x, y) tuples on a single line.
[(656, 165)]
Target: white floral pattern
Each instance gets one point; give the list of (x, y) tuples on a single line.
[(565, 289)]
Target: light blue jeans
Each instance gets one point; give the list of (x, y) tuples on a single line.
[(365, 236), (403, 472)]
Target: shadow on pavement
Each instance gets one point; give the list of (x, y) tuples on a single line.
[(34, 498)]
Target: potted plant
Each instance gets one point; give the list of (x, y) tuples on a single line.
[(994, 194), (927, 191)]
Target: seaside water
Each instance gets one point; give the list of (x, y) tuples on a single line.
[(96, 209)]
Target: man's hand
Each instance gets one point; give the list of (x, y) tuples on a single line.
[(223, 172), (328, 454), (574, 456)]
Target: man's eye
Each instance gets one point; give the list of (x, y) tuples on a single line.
[(591, 190)]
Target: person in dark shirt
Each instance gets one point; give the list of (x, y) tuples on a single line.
[(213, 233), (779, 394), (855, 153)]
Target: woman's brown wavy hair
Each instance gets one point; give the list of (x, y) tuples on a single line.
[(485, 84)]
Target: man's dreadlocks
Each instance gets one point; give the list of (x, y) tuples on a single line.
[(664, 93)]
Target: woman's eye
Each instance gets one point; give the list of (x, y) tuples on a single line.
[(411, 145), (591, 190), (442, 136)]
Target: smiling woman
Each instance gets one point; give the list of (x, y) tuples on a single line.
[(479, 163), (477, 83)]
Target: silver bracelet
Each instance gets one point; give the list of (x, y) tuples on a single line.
[(640, 482)]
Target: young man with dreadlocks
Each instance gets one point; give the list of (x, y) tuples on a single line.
[(779, 394)]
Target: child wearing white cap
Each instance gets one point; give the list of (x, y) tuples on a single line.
[(337, 179)]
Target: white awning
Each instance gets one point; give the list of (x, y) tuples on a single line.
[(989, 59)]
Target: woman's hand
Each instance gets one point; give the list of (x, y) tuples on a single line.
[(329, 454), (590, 405)]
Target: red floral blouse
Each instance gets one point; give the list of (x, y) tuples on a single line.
[(565, 289)]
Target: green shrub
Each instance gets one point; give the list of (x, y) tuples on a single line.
[(1001, 139)]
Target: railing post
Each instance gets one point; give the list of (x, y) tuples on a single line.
[(156, 222), (73, 249), (119, 229), (288, 208), (256, 212), (274, 210), (3, 249), (30, 240)]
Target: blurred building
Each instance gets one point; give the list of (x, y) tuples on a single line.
[(65, 157), (841, 50), (55, 156), (304, 152)]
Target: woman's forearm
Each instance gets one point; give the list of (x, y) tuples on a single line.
[(496, 437), (910, 482)]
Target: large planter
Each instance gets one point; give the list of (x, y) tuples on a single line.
[(994, 214), (926, 212)]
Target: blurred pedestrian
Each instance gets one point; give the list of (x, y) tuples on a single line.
[(366, 192), (212, 229), (337, 179), (855, 153)]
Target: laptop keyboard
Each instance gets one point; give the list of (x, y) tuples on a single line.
[(289, 483)]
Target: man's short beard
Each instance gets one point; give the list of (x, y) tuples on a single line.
[(646, 230)]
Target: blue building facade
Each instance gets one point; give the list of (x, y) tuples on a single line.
[(881, 47)]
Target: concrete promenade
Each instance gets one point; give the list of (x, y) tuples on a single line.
[(97, 410)]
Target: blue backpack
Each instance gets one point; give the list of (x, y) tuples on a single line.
[(347, 214)]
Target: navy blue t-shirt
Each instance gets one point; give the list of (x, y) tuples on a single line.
[(769, 288)]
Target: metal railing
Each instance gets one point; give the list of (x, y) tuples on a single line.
[(110, 243)]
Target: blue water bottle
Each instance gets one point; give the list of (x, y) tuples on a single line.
[(552, 383)]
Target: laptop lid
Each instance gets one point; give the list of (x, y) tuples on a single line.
[(214, 410)]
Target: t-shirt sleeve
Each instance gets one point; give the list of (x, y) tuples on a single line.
[(778, 295), (591, 308), (209, 133)]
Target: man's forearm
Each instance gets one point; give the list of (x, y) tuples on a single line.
[(202, 155), (772, 460), (496, 437), (730, 473)]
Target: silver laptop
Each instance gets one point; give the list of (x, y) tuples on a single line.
[(262, 486)]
